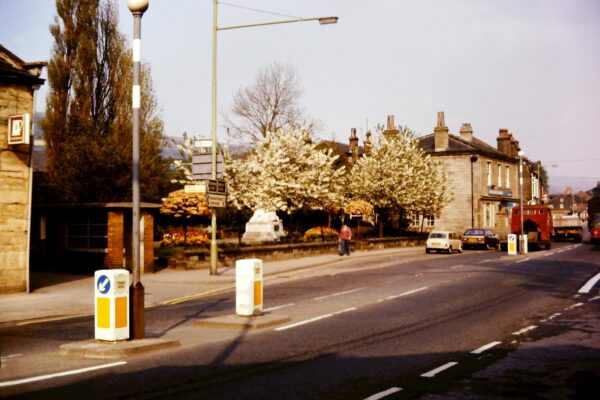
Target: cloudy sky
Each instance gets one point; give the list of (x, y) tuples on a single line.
[(532, 67)]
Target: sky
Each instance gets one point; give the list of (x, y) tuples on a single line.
[(532, 67)]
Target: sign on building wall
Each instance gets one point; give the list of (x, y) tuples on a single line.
[(18, 129)]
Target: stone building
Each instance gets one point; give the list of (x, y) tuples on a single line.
[(19, 81), (483, 180)]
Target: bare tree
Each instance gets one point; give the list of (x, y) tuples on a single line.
[(271, 103)]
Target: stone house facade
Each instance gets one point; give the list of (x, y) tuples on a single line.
[(19, 81), (483, 180)]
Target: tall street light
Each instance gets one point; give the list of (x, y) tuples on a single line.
[(137, 8), (522, 238), (473, 160), (216, 28)]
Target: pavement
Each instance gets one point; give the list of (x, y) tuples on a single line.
[(560, 363)]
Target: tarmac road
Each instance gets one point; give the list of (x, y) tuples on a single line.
[(367, 325)]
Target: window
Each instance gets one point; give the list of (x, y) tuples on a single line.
[(489, 214), (489, 173), (429, 221), (87, 232), (507, 177), (499, 175)]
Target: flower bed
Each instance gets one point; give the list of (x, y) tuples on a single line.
[(320, 233)]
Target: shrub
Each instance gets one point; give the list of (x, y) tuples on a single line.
[(318, 232), (193, 237)]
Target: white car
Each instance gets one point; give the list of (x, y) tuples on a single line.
[(443, 241)]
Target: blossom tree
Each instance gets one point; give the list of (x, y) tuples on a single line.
[(398, 175), (285, 172)]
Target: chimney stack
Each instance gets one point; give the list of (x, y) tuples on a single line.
[(504, 142), (353, 146), (440, 133), (391, 131), (466, 132)]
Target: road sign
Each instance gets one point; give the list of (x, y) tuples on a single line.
[(103, 284), (202, 166), (218, 200), (197, 188), (216, 186)]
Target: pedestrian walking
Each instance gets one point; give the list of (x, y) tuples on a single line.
[(345, 236)]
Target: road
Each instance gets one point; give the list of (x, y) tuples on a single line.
[(384, 326)]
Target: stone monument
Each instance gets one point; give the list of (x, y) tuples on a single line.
[(264, 226)]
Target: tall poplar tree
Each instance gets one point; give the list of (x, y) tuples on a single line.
[(87, 126)]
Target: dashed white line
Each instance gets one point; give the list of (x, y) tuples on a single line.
[(594, 298), (402, 294), (523, 260), (10, 356), (383, 394), (279, 307), (485, 261), (308, 321), (60, 374), (574, 306), (339, 293), (555, 315), (436, 371), (589, 284), (486, 347), (522, 331)]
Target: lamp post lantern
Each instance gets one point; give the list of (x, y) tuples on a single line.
[(137, 8), (216, 28), (521, 211)]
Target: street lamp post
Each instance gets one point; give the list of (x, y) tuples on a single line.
[(522, 239), (473, 161), (216, 28), (137, 8)]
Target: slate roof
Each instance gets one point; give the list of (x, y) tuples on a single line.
[(457, 145), (15, 70)]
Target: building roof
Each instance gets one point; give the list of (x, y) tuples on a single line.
[(15, 70), (457, 145)]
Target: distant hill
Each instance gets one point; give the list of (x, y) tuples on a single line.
[(558, 184)]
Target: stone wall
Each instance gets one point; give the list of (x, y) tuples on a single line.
[(200, 259), (14, 187)]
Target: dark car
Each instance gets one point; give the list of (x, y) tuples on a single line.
[(480, 238)]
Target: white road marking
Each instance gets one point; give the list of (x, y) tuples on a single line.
[(594, 298), (485, 261), (457, 266), (486, 347), (339, 293), (574, 306), (308, 321), (554, 315), (436, 371), (522, 331), (589, 284), (10, 356), (383, 394), (523, 260), (402, 294), (60, 374), (278, 307)]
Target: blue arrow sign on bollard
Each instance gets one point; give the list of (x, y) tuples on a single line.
[(103, 284)]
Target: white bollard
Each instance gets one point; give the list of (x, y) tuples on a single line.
[(249, 287), (111, 289)]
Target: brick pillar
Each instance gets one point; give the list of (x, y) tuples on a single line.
[(114, 257), (148, 243)]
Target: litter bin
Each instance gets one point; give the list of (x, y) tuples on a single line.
[(249, 287), (111, 289)]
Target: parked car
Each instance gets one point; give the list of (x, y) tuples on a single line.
[(443, 241), (480, 238)]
